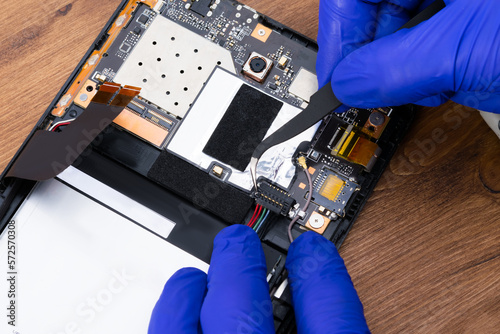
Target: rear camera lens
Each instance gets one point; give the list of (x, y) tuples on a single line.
[(258, 64)]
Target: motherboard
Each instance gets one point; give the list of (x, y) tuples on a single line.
[(215, 79)]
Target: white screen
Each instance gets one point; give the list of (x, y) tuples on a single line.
[(83, 268)]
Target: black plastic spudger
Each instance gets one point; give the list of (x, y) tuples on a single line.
[(321, 103)]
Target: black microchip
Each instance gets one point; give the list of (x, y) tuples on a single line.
[(137, 31), (273, 86), (143, 19), (222, 42), (243, 127), (201, 7)]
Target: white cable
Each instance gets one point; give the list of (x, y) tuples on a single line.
[(60, 122)]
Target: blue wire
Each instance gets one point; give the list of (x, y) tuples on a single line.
[(263, 220)]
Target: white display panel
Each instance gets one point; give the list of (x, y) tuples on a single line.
[(82, 268)]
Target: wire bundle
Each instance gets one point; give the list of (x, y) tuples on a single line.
[(55, 126), (259, 216)]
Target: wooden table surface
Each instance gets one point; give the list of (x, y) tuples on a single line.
[(424, 254)]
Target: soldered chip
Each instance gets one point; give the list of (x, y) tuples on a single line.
[(332, 187), (283, 62), (217, 171)]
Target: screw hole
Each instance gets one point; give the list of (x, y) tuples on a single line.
[(185, 89), (200, 68), (154, 43), (182, 71), (105, 55), (177, 55), (158, 59), (176, 103), (173, 38), (163, 76), (195, 50), (218, 63), (145, 80), (140, 63), (168, 93), (90, 88)]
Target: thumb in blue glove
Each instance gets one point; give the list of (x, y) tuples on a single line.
[(233, 298), (323, 296), (453, 55)]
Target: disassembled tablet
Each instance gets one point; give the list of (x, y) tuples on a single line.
[(195, 86)]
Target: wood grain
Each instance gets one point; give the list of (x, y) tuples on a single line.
[(424, 254)]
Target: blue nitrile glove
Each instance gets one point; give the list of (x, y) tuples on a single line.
[(233, 298), (453, 55), (323, 296), (236, 297)]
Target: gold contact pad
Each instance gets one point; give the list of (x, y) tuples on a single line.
[(86, 94), (318, 223), (261, 33), (332, 187), (141, 127)]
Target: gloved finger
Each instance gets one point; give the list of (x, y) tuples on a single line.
[(237, 299), (482, 100), (404, 67), (179, 306), (390, 18), (433, 101), (393, 14), (344, 26), (323, 296)]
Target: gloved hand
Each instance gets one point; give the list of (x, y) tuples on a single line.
[(453, 55), (234, 298), (323, 296)]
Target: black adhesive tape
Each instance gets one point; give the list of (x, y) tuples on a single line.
[(47, 154), (204, 191)]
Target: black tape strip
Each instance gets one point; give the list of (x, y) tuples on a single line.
[(244, 125), (203, 190), (49, 153)]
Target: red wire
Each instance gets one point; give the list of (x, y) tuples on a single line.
[(58, 125), (258, 214), (254, 212)]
